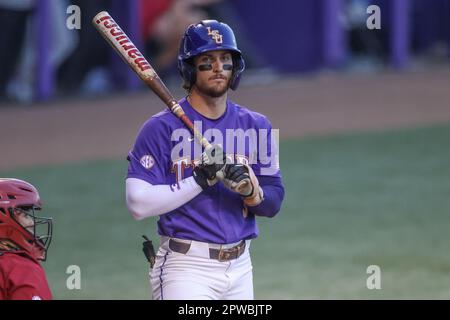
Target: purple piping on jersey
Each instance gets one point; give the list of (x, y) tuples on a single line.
[(160, 276)]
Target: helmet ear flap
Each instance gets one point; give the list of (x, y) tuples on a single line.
[(187, 72), (238, 68)]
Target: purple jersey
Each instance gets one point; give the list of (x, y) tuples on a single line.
[(216, 214)]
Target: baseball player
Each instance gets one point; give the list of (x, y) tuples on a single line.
[(206, 211), (21, 246)]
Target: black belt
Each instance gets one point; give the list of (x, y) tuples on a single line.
[(218, 254)]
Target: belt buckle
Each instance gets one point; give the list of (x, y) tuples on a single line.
[(224, 255), (231, 253)]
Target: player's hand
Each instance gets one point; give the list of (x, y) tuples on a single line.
[(252, 192), (211, 164)]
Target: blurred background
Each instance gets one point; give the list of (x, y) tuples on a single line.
[(364, 120)]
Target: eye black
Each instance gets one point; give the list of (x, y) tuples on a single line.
[(205, 67)]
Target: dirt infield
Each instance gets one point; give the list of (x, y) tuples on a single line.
[(72, 131)]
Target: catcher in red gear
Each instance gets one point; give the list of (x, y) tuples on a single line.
[(24, 241)]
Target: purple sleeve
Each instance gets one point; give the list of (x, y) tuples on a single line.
[(267, 163), (150, 156), (273, 197)]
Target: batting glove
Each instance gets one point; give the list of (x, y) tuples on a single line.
[(211, 164), (252, 193)]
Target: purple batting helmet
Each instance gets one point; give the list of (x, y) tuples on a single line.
[(208, 35)]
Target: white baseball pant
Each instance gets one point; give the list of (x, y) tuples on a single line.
[(195, 276)]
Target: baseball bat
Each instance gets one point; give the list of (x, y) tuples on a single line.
[(117, 38)]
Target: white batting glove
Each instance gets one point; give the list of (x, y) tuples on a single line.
[(235, 173)]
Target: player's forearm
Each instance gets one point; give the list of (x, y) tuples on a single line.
[(273, 197), (147, 200)]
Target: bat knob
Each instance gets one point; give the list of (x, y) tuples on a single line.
[(242, 185)]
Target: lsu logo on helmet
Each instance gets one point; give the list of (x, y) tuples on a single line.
[(217, 37)]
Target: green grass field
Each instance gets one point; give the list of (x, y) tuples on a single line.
[(351, 201)]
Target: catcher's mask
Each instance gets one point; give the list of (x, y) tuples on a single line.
[(208, 35), (19, 202)]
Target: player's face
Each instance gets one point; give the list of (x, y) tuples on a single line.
[(214, 70), (26, 221)]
